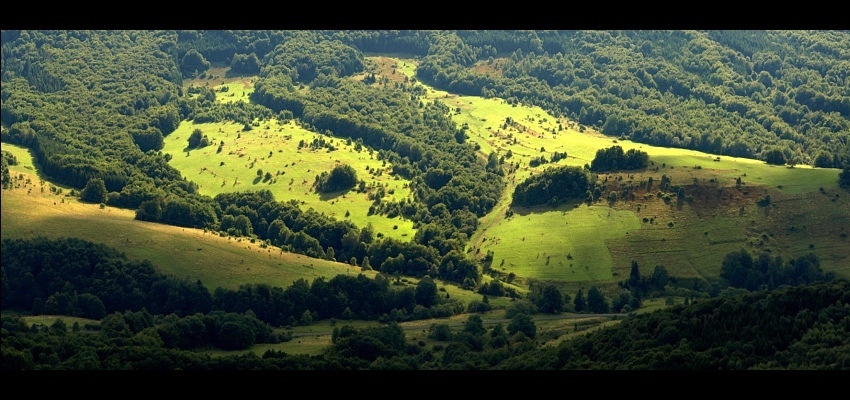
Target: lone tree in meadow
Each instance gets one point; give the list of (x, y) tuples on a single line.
[(342, 177), (596, 301), (197, 139)]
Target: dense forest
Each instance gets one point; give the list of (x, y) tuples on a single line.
[(94, 108)]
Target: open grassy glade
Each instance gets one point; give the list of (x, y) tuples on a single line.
[(689, 239), (183, 252), (272, 147)]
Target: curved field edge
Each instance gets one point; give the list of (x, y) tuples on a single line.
[(273, 148), (187, 253), (808, 213)]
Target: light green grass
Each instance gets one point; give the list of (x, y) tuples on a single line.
[(272, 147), (684, 248), (22, 154), (564, 244), (538, 129), (185, 253)]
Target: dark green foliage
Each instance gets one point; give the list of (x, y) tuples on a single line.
[(775, 157), (596, 301), (781, 329), (770, 272), (197, 139), (193, 62), (7, 160), (615, 159), (245, 64), (341, 177), (844, 178), (548, 299), (80, 278), (94, 192), (520, 307), (524, 324), (426, 292), (579, 303), (560, 183)]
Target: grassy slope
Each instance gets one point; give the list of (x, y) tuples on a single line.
[(702, 232), (221, 262), (272, 147), (216, 261)]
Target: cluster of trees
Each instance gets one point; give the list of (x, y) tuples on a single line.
[(615, 159), (766, 271), (198, 140), (552, 186), (341, 177), (6, 160)]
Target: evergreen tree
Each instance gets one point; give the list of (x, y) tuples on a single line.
[(596, 302), (579, 301)]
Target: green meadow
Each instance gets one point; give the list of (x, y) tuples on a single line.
[(603, 245), (569, 244), (566, 244), (272, 147), (192, 254)]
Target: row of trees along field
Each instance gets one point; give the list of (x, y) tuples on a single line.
[(790, 327), (79, 278), (96, 105)]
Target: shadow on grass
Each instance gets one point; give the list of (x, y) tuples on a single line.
[(333, 195), (230, 74), (563, 206)]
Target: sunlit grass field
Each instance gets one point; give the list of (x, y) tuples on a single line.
[(273, 148), (183, 252), (700, 235)]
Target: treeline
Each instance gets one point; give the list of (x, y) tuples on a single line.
[(766, 271), (79, 278), (793, 328), (6, 160), (737, 93)]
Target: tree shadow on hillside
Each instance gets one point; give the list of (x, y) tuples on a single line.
[(231, 74), (562, 206), (333, 195)]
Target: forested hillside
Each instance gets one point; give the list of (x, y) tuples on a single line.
[(95, 109)]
